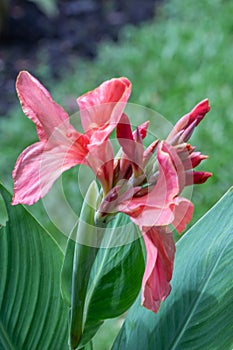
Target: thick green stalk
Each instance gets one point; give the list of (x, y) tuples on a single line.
[(86, 248)]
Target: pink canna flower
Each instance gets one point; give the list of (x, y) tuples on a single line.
[(153, 212), (145, 184), (60, 146), (156, 203)]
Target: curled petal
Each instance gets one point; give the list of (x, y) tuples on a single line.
[(101, 109), (160, 250), (38, 105), (183, 213), (150, 216), (39, 165)]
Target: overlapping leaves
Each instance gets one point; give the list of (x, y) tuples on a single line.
[(198, 314)]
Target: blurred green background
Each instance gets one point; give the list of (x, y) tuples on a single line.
[(181, 57)]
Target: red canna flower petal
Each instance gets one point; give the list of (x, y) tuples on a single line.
[(38, 104), (193, 160), (142, 130), (60, 147), (123, 130), (102, 108), (39, 165), (197, 177), (160, 249), (131, 143), (192, 119), (183, 213)]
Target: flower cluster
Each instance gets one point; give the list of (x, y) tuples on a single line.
[(145, 184)]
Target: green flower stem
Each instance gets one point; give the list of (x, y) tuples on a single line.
[(84, 259), (86, 247)]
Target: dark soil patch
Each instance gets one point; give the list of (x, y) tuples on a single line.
[(25, 31)]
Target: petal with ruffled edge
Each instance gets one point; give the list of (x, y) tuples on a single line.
[(101, 109), (38, 105), (160, 250), (40, 164)]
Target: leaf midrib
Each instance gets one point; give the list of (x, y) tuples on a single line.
[(195, 304)]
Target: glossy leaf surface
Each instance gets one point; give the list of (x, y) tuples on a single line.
[(116, 277), (198, 314), (32, 312)]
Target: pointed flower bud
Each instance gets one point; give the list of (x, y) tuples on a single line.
[(195, 116)]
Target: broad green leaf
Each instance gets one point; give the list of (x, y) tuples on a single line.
[(32, 313), (89, 346), (198, 314), (3, 212), (115, 280)]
